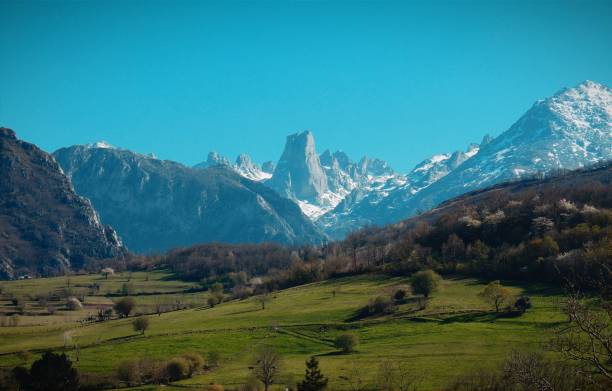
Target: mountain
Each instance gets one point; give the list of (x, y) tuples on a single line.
[(569, 130), (157, 204), (45, 228), (319, 183), (360, 207), (299, 173), (243, 166)]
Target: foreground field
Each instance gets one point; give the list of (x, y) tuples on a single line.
[(457, 332)]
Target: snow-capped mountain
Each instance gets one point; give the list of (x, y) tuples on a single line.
[(360, 207), (243, 166), (569, 130), (319, 183)]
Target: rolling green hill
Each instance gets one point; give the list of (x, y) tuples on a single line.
[(457, 332)]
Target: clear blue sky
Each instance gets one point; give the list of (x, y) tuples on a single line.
[(399, 81)]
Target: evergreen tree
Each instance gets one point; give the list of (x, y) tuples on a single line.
[(314, 379)]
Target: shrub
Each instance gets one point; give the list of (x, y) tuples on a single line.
[(522, 304), (400, 295), (141, 324), (195, 360), (346, 342), (129, 372), (382, 305), (425, 282), (124, 306), (177, 368)]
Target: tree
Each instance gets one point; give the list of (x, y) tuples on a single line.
[(178, 368), (425, 282), (454, 249), (354, 378), (587, 338), (313, 379), (124, 306), (496, 294), (52, 372), (195, 360), (107, 271), (141, 324), (266, 366), (346, 342), (263, 299), (73, 304)]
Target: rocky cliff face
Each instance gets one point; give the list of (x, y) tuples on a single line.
[(45, 228), (299, 174), (156, 204)]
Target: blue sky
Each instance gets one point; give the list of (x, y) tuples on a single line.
[(399, 81)]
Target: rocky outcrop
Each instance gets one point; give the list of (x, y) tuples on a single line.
[(298, 173), (45, 228)]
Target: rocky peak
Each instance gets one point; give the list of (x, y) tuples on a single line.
[(298, 173), (8, 133), (486, 140), (215, 159)]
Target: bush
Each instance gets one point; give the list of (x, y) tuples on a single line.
[(382, 305), (425, 282), (141, 324), (522, 304), (195, 360), (124, 306), (177, 368), (346, 342), (129, 372), (400, 295)]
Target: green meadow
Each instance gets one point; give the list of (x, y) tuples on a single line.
[(456, 333)]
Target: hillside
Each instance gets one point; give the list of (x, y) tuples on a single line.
[(45, 228)]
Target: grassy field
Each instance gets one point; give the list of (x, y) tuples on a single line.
[(456, 333)]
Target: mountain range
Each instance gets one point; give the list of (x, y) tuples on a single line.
[(307, 197), (158, 204), (569, 130)]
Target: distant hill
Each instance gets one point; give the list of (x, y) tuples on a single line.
[(158, 204), (45, 228)]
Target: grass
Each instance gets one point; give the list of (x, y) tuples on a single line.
[(456, 333)]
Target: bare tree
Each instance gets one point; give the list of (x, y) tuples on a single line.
[(266, 366), (587, 338), (263, 299), (354, 378), (529, 370)]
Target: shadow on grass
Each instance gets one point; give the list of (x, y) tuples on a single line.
[(474, 317), (335, 353), (254, 309)]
